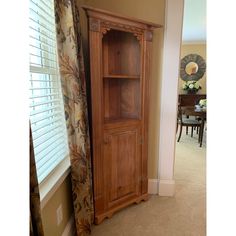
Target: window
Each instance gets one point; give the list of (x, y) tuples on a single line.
[(45, 97)]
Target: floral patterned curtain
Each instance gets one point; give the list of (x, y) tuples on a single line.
[(74, 91), (36, 227)]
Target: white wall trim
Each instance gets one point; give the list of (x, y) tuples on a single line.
[(161, 187), (193, 42), (153, 186), (70, 227), (169, 95), (166, 188)]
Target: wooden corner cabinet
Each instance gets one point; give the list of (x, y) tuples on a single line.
[(119, 71)]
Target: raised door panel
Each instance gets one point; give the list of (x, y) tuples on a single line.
[(122, 168)]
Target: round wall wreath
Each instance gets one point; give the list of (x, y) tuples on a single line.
[(192, 67)]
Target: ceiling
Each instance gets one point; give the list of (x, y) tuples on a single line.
[(194, 23)]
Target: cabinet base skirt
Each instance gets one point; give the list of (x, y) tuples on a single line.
[(100, 217)]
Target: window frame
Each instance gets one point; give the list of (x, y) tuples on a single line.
[(48, 184)]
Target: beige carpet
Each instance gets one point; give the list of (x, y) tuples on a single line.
[(181, 215)]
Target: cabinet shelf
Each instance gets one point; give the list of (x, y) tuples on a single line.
[(121, 77)]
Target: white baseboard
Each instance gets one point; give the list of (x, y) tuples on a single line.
[(70, 227), (166, 188), (161, 187), (152, 186)]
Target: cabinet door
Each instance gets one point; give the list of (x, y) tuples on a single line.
[(122, 165)]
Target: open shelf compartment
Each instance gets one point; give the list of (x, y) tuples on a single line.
[(121, 99), (121, 76), (121, 54)]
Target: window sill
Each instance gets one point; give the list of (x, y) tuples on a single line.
[(51, 183)]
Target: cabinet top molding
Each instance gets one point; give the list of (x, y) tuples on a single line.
[(110, 16)]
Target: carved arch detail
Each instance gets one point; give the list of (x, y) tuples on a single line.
[(107, 25)]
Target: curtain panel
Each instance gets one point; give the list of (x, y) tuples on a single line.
[(73, 84)]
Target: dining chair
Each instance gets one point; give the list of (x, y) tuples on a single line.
[(183, 121)]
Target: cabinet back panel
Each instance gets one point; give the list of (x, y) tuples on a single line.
[(130, 99)]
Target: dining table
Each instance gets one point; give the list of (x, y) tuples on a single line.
[(200, 113)]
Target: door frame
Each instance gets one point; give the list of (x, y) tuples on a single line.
[(169, 95)]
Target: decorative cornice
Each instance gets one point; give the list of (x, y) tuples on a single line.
[(109, 24), (92, 11)]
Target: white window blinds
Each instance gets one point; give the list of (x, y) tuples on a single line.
[(46, 104)]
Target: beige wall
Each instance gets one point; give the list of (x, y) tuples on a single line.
[(199, 49), (61, 196), (153, 11)]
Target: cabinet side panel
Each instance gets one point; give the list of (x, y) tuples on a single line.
[(97, 123), (105, 56), (111, 98)]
